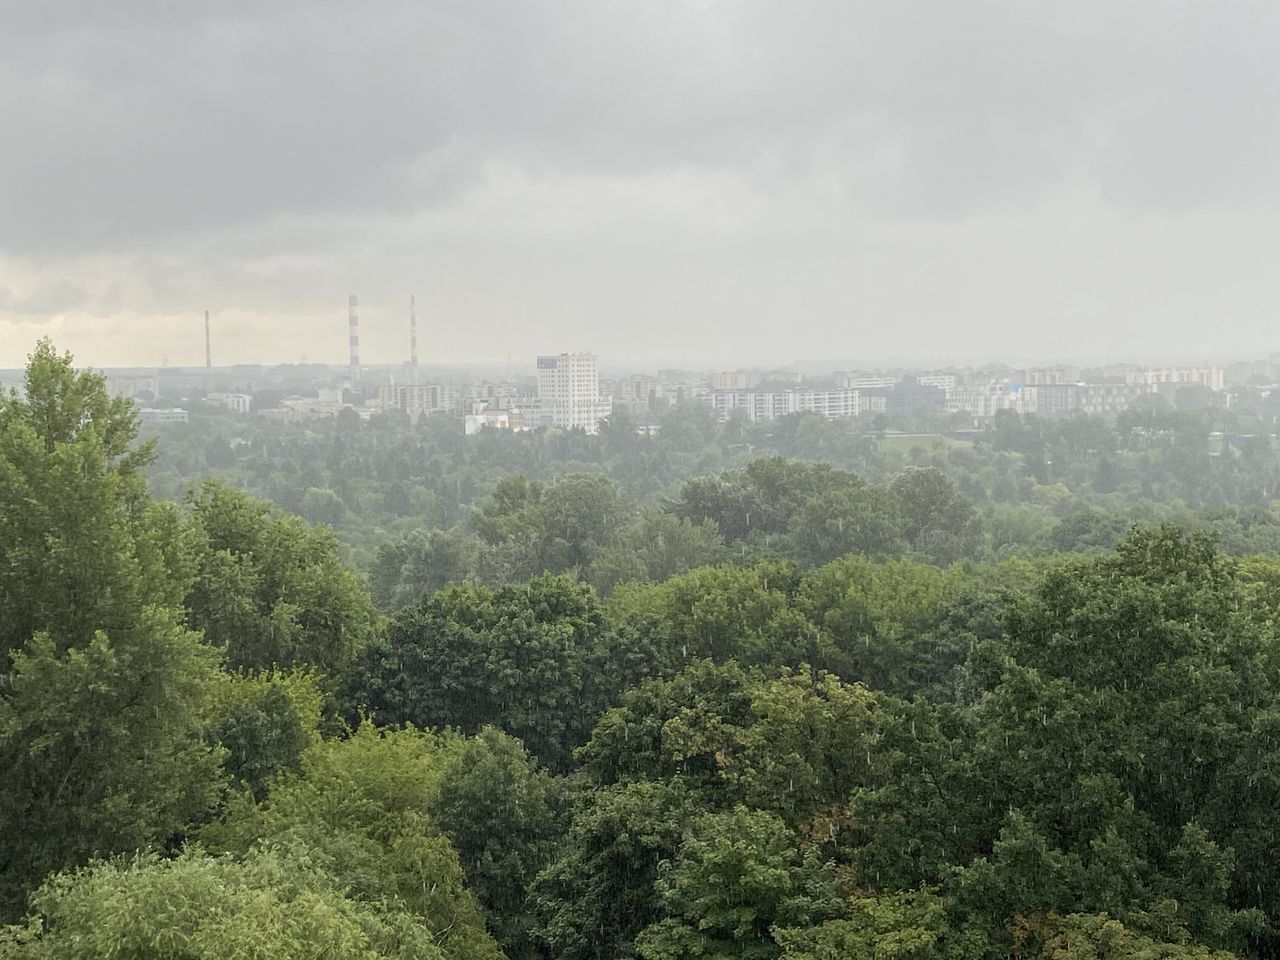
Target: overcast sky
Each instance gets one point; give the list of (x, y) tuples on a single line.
[(713, 183)]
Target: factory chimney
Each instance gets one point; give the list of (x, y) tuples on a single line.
[(208, 352)]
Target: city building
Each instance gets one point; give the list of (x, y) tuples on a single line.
[(733, 380), (1110, 398), (1049, 399), (678, 386), (1244, 370), (1050, 376), (983, 400), (484, 417), (910, 394), (235, 402), (864, 381), (152, 415), (1062, 399), (296, 410), (1212, 377), (775, 404), (939, 381), (569, 392), (502, 393), (417, 399), (136, 387)]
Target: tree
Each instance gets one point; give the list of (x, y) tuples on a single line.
[(599, 893), (99, 751), (937, 520), (271, 590), (517, 658), (657, 548), (359, 808), (273, 904), (727, 612), (736, 876), (793, 745), (82, 549), (423, 561), (106, 689), (914, 925), (505, 817), (843, 521), (549, 529), (263, 737)]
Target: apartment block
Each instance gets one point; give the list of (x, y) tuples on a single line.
[(569, 392), (775, 404), (417, 399)]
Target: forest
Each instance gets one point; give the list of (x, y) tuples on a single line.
[(402, 497), (794, 691)]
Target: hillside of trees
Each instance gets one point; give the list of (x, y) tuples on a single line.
[(731, 692)]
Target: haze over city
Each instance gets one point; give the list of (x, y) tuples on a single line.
[(703, 183)]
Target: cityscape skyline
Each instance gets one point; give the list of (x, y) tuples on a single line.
[(384, 333)]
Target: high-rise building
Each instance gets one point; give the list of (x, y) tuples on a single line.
[(569, 392)]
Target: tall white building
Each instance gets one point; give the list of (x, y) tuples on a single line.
[(569, 392)]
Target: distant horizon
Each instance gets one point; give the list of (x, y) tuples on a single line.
[(610, 368)]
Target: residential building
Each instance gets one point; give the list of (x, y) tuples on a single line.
[(483, 416), (153, 415), (417, 399), (1061, 399), (500, 392), (235, 402), (984, 400), (733, 380), (138, 387), (635, 393), (1111, 398), (298, 409), (910, 394), (775, 404), (939, 381), (1242, 371), (569, 392), (864, 381), (1050, 376), (1050, 399), (1212, 377), (677, 386)]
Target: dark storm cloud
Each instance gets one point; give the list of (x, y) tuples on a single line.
[(136, 121)]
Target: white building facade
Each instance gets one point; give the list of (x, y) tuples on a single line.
[(775, 404), (235, 402), (569, 392)]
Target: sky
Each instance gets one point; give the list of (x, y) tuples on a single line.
[(698, 183)]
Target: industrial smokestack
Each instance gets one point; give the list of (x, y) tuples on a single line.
[(208, 352), (413, 340), (353, 325)]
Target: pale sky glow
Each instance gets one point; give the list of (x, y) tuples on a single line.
[(713, 183)]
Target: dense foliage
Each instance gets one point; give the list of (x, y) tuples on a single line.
[(403, 495), (782, 712)]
